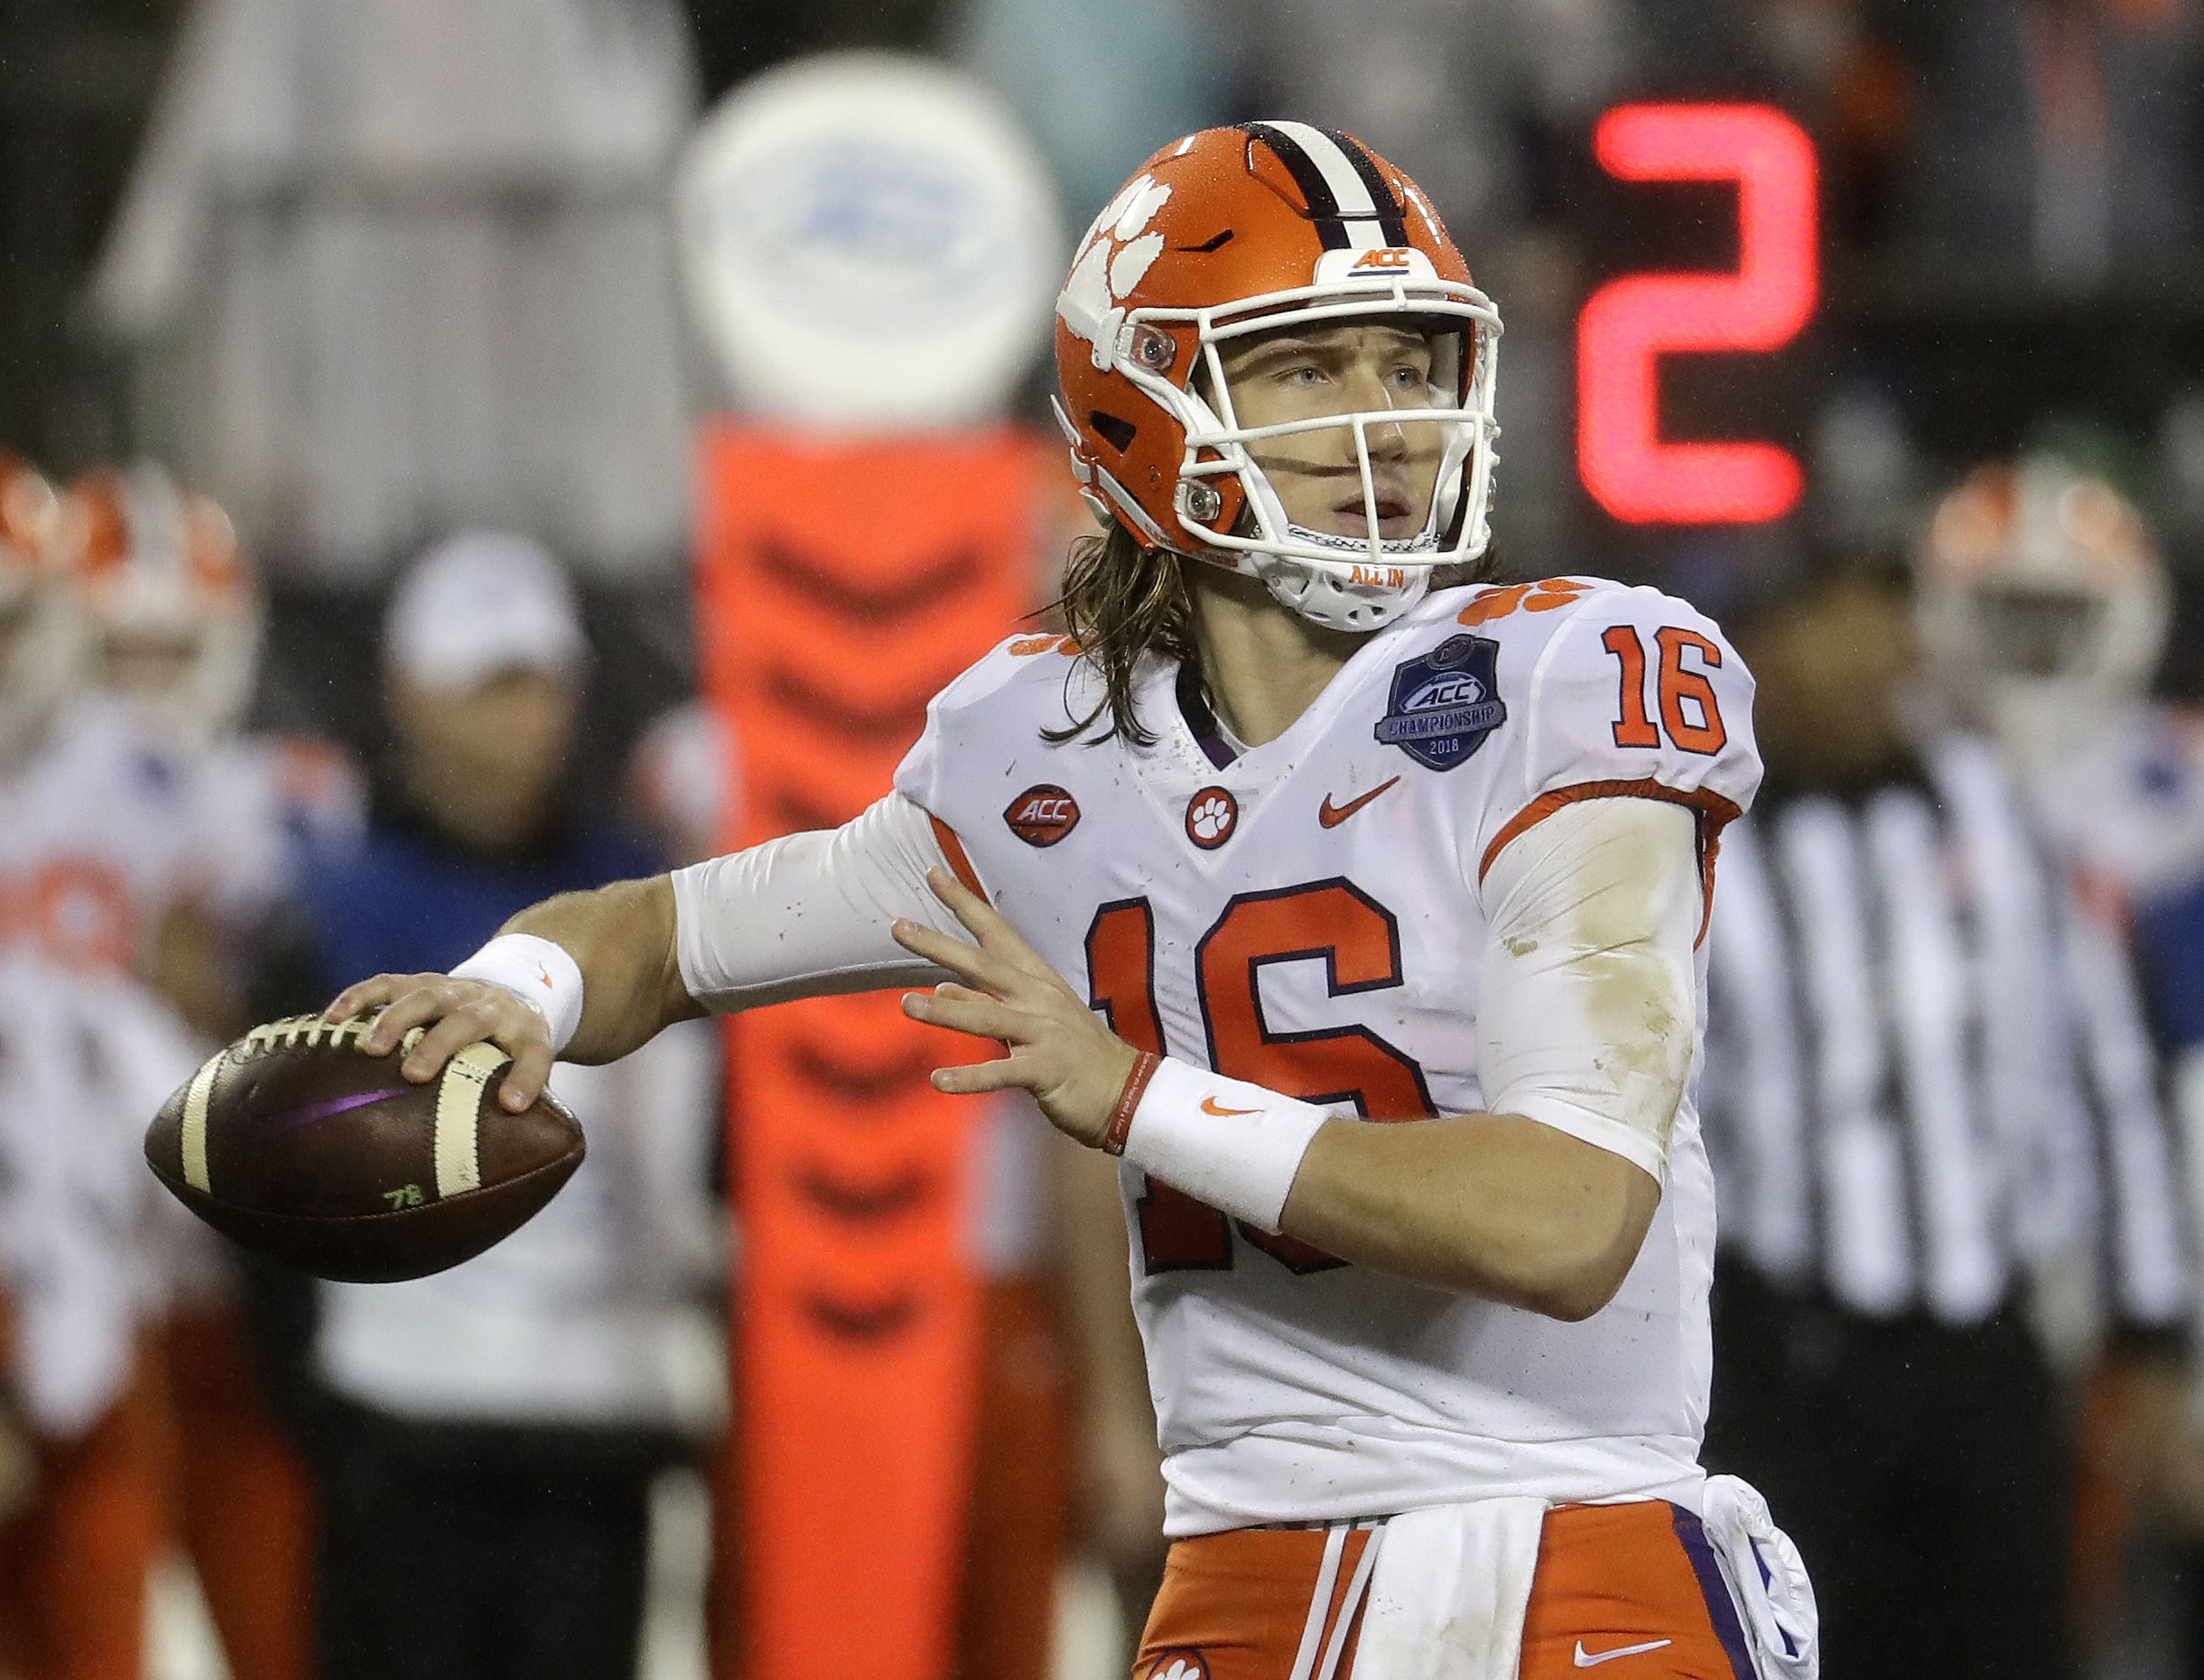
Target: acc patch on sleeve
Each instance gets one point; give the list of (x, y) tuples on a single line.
[(1445, 702)]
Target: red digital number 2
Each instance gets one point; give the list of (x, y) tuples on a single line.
[(1332, 922), (1630, 323)]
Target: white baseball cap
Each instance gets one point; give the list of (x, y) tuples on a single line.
[(478, 603)]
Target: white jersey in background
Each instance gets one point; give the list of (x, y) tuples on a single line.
[(94, 849), (1316, 916), (264, 803)]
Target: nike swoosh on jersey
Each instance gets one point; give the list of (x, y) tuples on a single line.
[(1585, 1659), (1210, 1105), (1331, 816)]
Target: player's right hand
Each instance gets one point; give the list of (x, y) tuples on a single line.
[(454, 1014)]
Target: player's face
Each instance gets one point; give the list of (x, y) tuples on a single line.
[(1304, 372), (148, 667), (484, 760)]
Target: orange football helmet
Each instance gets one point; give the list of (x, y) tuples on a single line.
[(1245, 230), (2043, 601), (161, 572)]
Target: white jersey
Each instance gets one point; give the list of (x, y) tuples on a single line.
[(94, 847), (1307, 915), (264, 803)]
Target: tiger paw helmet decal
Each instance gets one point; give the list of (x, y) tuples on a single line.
[(1115, 257)]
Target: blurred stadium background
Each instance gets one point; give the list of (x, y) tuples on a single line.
[(369, 274)]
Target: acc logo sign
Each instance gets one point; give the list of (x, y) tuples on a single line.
[(1042, 815), (1392, 259)]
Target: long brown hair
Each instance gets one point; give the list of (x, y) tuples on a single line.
[(1122, 602)]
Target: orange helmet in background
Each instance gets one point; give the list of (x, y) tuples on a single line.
[(174, 605), (30, 519), (41, 629), (1238, 231), (2043, 601)]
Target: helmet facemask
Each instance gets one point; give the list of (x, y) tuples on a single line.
[(2044, 604), (1345, 583), (176, 614)]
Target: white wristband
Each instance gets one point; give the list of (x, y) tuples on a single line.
[(1223, 1141), (536, 972)]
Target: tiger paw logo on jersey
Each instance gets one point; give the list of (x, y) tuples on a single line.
[(1443, 704), (1042, 815), (1211, 814), (1177, 1665)]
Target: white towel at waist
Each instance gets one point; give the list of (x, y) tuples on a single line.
[(1452, 1586), (1767, 1577), (1449, 1592)]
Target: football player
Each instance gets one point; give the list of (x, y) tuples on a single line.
[(173, 612), (1354, 908), (89, 859), (2044, 605)]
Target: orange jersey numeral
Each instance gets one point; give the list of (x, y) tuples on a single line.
[(1333, 921), (1680, 686)]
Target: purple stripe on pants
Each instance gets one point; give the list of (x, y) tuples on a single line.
[(1720, 1608)]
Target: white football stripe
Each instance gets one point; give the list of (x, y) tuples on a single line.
[(1319, 1602), (193, 1134), (1335, 1647), (459, 1118), (1358, 208)]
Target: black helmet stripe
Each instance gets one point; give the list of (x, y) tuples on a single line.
[(1315, 191), (1346, 196), (1392, 225)]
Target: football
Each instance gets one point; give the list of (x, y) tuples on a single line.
[(297, 1143)]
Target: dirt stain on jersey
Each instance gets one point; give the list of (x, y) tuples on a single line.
[(1639, 1005)]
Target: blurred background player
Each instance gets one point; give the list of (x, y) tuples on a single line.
[(485, 1441), (95, 853), (174, 616), (1943, 1167), (2046, 601), (2044, 605)]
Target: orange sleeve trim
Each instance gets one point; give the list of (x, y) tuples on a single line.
[(953, 849), (1715, 813)]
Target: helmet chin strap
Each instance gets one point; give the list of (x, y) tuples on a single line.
[(1326, 591), (1316, 590)]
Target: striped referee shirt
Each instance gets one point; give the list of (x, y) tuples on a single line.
[(1927, 1075)]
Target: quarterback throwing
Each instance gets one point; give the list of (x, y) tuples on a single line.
[(1357, 907)]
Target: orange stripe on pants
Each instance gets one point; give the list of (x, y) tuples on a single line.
[(1238, 1606), (74, 1563)]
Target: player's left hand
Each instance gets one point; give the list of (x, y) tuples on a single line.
[(1074, 1065)]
